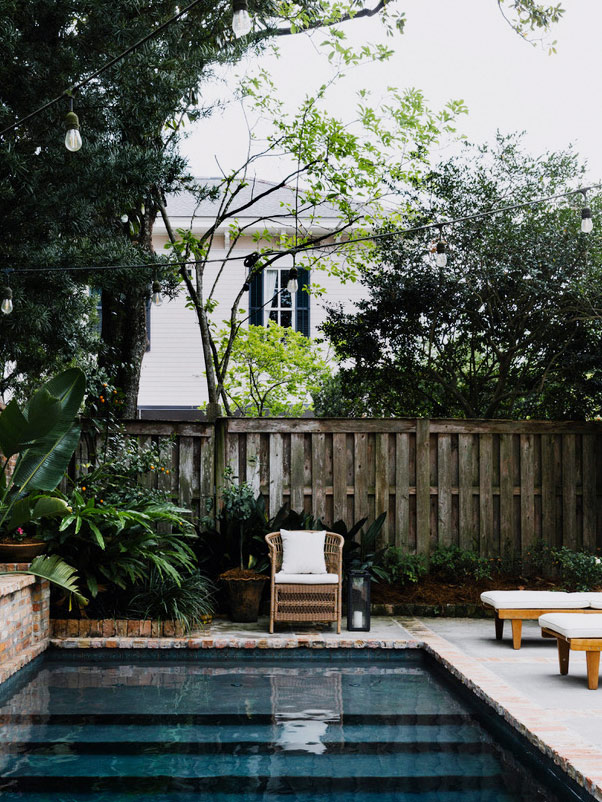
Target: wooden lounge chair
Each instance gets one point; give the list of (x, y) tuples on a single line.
[(582, 633), (523, 605), (307, 597)]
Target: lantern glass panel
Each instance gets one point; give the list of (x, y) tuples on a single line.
[(358, 601)]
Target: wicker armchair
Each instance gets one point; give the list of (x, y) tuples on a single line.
[(311, 602)]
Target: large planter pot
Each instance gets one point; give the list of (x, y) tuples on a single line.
[(21, 552), (245, 595)]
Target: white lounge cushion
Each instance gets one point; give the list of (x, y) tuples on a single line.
[(303, 552), (595, 600), (306, 579), (573, 625), (535, 599)]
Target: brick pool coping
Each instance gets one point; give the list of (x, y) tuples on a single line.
[(579, 759)]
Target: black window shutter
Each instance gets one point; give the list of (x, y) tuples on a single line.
[(256, 300), (303, 302)]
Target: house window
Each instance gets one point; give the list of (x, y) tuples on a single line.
[(282, 308)]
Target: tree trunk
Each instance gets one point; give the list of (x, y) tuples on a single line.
[(123, 333), (124, 325)]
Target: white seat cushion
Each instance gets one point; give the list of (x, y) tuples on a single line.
[(305, 579), (573, 625), (535, 599), (595, 600), (303, 552)]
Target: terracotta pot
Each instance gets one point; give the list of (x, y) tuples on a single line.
[(21, 552), (245, 595)]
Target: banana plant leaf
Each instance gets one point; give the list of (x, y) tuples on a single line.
[(17, 433), (32, 508), (41, 466), (55, 570)]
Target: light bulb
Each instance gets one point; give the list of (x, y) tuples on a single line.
[(441, 255), (587, 223), (7, 301), (124, 218), (241, 21), (73, 140), (156, 297)]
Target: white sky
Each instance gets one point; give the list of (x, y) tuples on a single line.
[(451, 49)]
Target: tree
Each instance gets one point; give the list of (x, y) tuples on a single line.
[(345, 170), (499, 331), (273, 370), (97, 207)]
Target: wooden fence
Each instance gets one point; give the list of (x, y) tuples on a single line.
[(484, 484)]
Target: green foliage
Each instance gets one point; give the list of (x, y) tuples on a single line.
[(117, 530), (116, 546), (273, 370), (453, 564), (54, 570), (509, 327), (402, 568), (44, 434), (187, 601), (578, 570)]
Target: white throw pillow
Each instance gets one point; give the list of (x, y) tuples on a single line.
[(303, 552)]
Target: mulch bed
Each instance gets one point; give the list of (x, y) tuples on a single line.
[(433, 592)]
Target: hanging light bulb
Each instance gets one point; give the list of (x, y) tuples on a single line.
[(7, 300), (157, 297), (241, 21), (441, 254), (73, 138), (587, 223), (124, 219), (292, 285)]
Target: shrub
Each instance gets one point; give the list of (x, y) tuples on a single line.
[(453, 564), (403, 568), (578, 570), (188, 601)]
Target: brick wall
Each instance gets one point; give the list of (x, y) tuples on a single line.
[(24, 619)]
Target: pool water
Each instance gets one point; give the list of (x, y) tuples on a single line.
[(264, 726)]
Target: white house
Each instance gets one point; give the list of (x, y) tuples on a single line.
[(173, 370)]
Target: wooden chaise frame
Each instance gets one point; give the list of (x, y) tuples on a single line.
[(591, 647), (516, 617), (305, 602)]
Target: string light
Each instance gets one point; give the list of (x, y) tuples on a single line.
[(587, 223), (440, 250), (157, 297), (7, 296), (73, 138), (241, 21)]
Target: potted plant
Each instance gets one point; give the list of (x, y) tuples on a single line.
[(243, 582), (44, 435)]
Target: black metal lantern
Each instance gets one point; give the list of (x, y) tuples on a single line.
[(358, 601)]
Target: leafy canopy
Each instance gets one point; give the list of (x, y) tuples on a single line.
[(501, 330)]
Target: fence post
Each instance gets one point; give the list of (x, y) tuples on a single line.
[(423, 486)]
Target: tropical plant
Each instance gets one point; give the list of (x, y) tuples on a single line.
[(44, 434), (188, 601), (55, 570), (117, 546)]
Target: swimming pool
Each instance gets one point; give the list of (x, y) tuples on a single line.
[(251, 725)]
